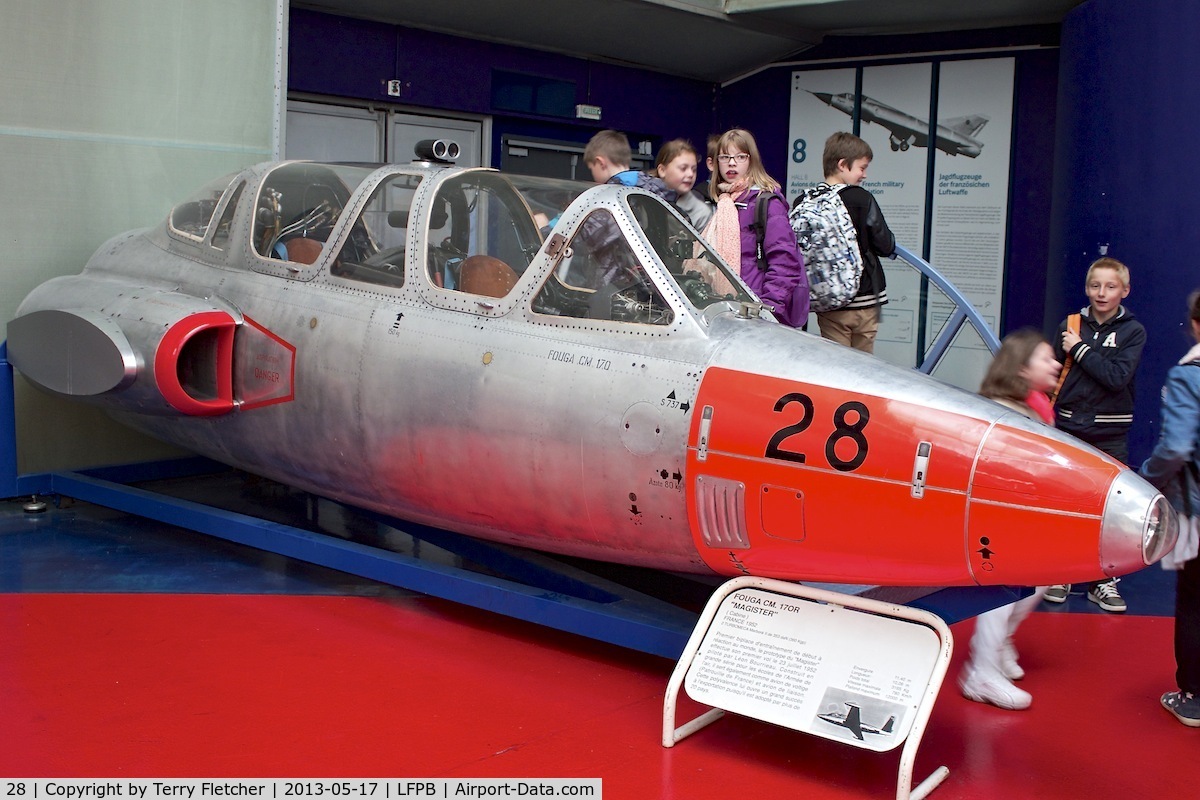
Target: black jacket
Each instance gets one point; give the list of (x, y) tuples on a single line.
[(875, 239), (1096, 400)]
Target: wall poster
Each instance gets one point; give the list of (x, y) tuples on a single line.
[(964, 214), (970, 198), (895, 122), (819, 98)]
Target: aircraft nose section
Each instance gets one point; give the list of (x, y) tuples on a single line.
[(1044, 509), (824, 97), (1138, 526)]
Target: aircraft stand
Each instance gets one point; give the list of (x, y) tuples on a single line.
[(821, 662)]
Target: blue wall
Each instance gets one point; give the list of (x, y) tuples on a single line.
[(343, 57), (1034, 121), (1127, 115)]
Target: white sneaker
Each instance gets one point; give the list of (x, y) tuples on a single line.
[(997, 690), (1008, 662)]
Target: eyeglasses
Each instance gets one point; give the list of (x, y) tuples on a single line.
[(740, 158)]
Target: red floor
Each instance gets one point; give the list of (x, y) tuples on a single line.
[(104, 685)]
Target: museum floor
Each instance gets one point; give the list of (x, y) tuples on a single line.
[(131, 649)]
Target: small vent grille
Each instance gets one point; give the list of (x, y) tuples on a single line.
[(721, 506)]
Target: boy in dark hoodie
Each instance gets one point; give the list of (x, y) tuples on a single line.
[(1095, 401)]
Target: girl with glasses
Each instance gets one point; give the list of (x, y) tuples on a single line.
[(766, 254)]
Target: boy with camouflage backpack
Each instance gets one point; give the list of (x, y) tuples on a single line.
[(841, 232)]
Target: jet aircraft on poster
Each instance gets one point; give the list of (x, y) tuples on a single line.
[(954, 137), (563, 367)]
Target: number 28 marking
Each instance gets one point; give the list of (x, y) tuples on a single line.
[(841, 430)]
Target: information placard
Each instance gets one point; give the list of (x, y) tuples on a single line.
[(824, 669)]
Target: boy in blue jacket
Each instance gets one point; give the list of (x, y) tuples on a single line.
[(1173, 467)]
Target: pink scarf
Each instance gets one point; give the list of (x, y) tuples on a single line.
[(723, 232)]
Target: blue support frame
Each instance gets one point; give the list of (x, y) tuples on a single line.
[(560, 600), (538, 588), (964, 312)]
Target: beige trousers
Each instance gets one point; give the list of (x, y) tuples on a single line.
[(853, 327)]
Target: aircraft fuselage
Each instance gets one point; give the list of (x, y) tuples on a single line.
[(650, 418)]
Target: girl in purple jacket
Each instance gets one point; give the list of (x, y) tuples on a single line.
[(776, 272)]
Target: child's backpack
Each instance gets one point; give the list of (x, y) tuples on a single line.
[(827, 240), (759, 226), (795, 314)]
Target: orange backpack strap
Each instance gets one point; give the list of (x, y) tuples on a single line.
[(1073, 327)]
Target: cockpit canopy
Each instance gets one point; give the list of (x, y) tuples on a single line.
[(192, 217), (299, 205), (476, 233)]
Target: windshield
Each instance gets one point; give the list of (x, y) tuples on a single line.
[(701, 275), (548, 198), (298, 206), (600, 277), (192, 217), (375, 250), (482, 235)]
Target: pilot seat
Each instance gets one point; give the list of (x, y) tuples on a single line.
[(487, 276)]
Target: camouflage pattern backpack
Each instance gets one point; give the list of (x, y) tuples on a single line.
[(827, 240)]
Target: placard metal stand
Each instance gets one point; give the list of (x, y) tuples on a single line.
[(856, 670)]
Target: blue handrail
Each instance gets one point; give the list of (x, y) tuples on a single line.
[(963, 312)]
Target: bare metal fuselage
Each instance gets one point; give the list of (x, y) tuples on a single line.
[(690, 437)]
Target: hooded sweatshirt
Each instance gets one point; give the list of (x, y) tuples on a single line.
[(1095, 402)]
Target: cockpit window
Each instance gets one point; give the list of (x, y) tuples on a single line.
[(700, 275), (220, 237), (547, 198), (600, 277), (482, 235), (191, 218), (375, 249), (299, 204)]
